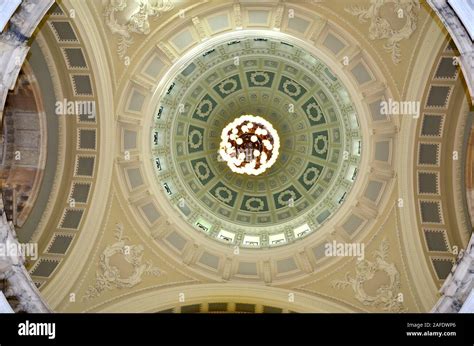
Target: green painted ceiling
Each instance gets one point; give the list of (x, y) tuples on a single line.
[(307, 105)]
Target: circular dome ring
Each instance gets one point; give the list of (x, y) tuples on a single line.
[(289, 92)]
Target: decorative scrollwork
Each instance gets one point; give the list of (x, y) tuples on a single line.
[(380, 27), (250, 204), (204, 113), (315, 175), (286, 87), (195, 134), (386, 295), (259, 78), (109, 275), (309, 111), (321, 139), (201, 165), (233, 86), (136, 19), (223, 194), (287, 193)]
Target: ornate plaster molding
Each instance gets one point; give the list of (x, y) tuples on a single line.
[(125, 17), (108, 275), (386, 295), (380, 27)]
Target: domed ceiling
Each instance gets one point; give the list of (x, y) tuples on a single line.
[(146, 173), (310, 110)]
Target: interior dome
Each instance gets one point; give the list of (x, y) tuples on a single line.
[(310, 109), (116, 195)]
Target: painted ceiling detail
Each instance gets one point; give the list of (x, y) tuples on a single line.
[(342, 163), (126, 17), (385, 295), (393, 20), (121, 265), (312, 113)]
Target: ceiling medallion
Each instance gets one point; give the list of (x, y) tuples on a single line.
[(249, 145)]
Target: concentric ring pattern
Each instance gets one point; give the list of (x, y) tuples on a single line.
[(310, 109)]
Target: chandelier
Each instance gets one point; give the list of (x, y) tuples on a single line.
[(249, 145)]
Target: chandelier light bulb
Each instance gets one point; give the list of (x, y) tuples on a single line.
[(249, 145)]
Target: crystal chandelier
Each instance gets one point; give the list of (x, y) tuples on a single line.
[(249, 145)]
